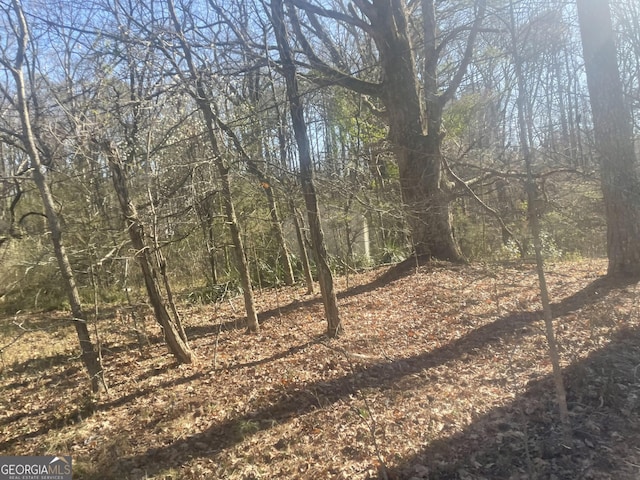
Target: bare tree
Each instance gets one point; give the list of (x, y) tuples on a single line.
[(192, 76), (171, 327), (524, 133), (413, 110), (334, 326), (17, 20), (280, 116)]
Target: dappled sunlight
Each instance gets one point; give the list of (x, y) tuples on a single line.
[(436, 355)]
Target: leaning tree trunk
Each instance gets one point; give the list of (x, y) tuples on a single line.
[(614, 138), (176, 344), (238, 245), (230, 212), (325, 277), (203, 100), (90, 355), (524, 134)]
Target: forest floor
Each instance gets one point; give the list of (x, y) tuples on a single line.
[(442, 373)]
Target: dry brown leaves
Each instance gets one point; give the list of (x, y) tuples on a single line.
[(442, 373)]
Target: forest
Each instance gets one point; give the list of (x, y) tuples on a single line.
[(392, 239)]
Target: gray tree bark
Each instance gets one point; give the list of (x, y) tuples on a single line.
[(414, 118), (613, 135), (325, 276), (172, 330), (203, 100), (90, 355)]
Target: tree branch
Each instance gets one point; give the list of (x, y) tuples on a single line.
[(466, 58), (323, 12), (461, 183), (331, 75)]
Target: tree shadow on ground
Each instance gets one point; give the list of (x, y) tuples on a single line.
[(44, 364), (524, 440), (117, 402), (45, 367), (106, 405), (593, 293), (394, 273), (296, 401)]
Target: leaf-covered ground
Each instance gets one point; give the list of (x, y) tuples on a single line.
[(442, 373)]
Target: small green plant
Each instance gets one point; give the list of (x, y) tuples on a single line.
[(213, 293), (392, 253), (510, 251)]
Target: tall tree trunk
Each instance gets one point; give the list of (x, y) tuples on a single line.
[(418, 150), (230, 212), (238, 245), (265, 182), (203, 99), (325, 277), (414, 131), (614, 138), (174, 337), (524, 131), (416, 140), (90, 355)]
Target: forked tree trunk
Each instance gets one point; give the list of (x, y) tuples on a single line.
[(417, 141), (176, 342), (325, 277), (414, 131), (612, 124), (90, 355)]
